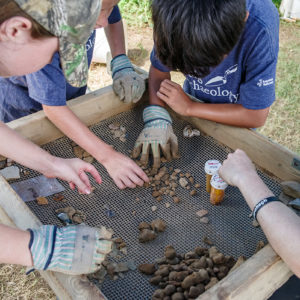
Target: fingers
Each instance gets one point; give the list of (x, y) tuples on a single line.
[(137, 150), (145, 154), (166, 149), (162, 97), (72, 186), (174, 146), (140, 89), (127, 91), (156, 155), (93, 171), (119, 183), (118, 89)]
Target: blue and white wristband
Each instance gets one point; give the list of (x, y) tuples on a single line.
[(260, 204)]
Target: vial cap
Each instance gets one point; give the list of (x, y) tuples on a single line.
[(218, 183), (212, 167)]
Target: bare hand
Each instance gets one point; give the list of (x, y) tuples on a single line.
[(236, 168), (73, 170), (173, 95), (124, 171)]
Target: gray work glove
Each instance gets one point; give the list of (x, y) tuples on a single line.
[(127, 84), (157, 134), (73, 250)]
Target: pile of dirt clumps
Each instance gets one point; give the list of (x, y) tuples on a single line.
[(186, 276)]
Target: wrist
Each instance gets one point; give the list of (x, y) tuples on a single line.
[(190, 108)]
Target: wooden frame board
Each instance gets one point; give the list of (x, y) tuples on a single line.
[(258, 278)]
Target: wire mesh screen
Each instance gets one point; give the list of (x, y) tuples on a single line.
[(229, 227)]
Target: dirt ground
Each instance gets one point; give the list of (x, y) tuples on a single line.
[(14, 284)]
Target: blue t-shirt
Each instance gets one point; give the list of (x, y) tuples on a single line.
[(23, 95), (247, 75)]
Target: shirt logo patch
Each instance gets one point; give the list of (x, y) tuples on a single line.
[(221, 80), (265, 82)]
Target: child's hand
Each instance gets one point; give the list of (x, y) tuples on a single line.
[(124, 171), (73, 170), (173, 95)]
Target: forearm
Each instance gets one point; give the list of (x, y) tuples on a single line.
[(23, 151), (115, 37), (229, 114), (279, 223), (76, 130), (14, 246), (155, 79)]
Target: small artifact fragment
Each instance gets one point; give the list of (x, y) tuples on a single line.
[(201, 213), (176, 200), (218, 186), (58, 197), (41, 201), (204, 220), (76, 216), (167, 205), (211, 168), (183, 182), (197, 185), (193, 193), (207, 241), (259, 246), (189, 132), (154, 208)]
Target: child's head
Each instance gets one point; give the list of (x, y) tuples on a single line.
[(32, 31), (193, 35)]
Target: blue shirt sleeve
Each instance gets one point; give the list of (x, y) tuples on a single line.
[(258, 89), (115, 15), (48, 85), (156, 62)]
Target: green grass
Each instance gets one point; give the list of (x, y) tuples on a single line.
[(283, 124), (136, 12)]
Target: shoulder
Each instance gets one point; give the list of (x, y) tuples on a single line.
[(262, 28)]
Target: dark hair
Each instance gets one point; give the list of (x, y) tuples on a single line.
[(9, 9), (193, 35)]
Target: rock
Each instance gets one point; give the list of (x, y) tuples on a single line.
[(197, 185), (195, 291), (200, 251), (122, 267), (163, 271), (177, 296), (78, 151), (147, 235), (204, 220), (158, 225), (201, 213), (240, 261), (156, 194), (159, 294), (212, 282), (230, 261), (183, 182), (190, 255), (155, 280), (176, 200), (193, 279), (170, 252), (193, 193), (114, 126), (177, 171), (167, 205), (41, 201), (178, 276), (200, 263), (218, 258), (212, 251), (203, 275), (154, 208), (10, 173), (69, 210), (147, 269), (295, 204), (144, 225), (89, 159), (209, 262), (291, 188), (169, 289)]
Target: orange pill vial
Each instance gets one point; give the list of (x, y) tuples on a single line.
[(211, 168), (218, 186)]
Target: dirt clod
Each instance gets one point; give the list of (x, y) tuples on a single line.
[(147, 269), (41, 201)]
